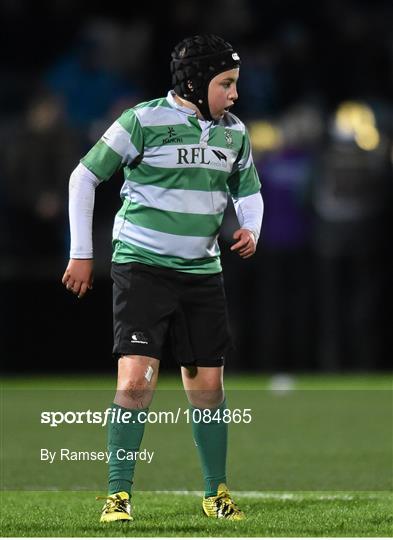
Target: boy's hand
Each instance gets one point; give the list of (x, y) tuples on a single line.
[(78, 277), (246, 245)]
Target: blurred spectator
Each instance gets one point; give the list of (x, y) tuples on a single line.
[(296, 63), (352, 198), (258, 81), (85, 78), (39, 150), (284, 284)]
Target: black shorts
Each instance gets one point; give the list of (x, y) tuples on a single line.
[(152, 305)]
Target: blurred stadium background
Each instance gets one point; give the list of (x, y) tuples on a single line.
[(315, 93)]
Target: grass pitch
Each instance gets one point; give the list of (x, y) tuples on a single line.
[(162, 514), (317, 457)]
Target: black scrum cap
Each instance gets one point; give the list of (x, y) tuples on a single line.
[(195, 61)]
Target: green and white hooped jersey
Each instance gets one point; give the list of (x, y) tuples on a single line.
[(178, 172)]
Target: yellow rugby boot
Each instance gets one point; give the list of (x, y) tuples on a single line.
[(117, 507), (222, 506)]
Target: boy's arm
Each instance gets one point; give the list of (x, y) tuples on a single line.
[(244, 186), (249, 211), (78, 276), (120, 145)]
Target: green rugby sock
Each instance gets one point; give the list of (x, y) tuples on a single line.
[(126, 437), (211, 440)]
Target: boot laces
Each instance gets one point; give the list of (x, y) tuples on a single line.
[(226, 505), (114, 503)]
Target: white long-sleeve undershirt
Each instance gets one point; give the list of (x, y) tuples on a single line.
[(82, 186), (249, 211)]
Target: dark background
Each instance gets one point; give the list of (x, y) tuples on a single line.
[(317, 295)]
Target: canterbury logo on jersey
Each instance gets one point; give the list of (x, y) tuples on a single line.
[(201, 156)]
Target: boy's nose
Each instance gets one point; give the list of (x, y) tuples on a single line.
[(233, 95)]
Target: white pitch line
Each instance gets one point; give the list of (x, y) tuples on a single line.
[(308, 495), (280, 496)]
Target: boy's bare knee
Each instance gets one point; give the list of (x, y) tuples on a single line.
[(137, 376), (137, 371), (204, 386), (206, 399)]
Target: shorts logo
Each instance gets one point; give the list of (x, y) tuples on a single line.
[(139, 337)]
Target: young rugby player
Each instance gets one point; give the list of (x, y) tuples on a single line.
[(181, 156)]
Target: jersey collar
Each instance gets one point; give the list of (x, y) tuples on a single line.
[(189, 112), (173, 103)]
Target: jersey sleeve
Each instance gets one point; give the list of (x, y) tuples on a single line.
[(244, 179), (120, 145)]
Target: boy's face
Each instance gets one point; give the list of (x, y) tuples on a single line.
[(222, 92)]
